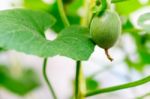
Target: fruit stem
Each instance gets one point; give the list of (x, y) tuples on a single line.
[(103, 7), (108, 55)]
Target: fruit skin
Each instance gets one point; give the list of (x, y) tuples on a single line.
[(106, 29)]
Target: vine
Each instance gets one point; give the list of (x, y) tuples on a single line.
[(47, 80), (119, 87)]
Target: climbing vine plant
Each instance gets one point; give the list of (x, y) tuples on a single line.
[(23, 30)]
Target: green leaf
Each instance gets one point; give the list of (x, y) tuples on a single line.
[(23, 30), (91, 84), (142, 21), (72, 41), (21, 85), (125, 8), (127, 25)]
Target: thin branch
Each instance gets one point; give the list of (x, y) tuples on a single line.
[(119, 87), (46, 79)]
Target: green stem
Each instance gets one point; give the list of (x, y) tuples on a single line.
[(78, 63), (119, 87), (62, 13), (46, 79), (80, 87), (103, 7), (78, 68)]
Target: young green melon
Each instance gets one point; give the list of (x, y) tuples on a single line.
[(105, 30)]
